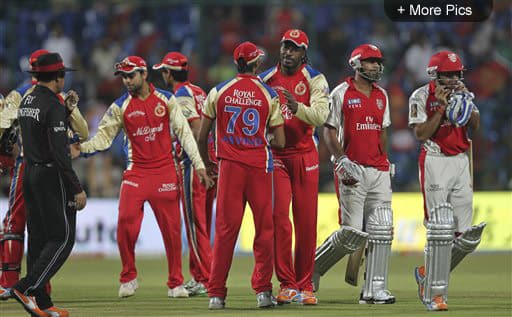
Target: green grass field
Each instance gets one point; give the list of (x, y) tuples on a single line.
[(480, 286)]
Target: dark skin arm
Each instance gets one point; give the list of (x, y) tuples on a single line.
[(202, 142), (331, 141), (279, 139), (423, 131)]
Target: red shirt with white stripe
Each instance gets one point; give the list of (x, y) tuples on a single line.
[(360, 121)]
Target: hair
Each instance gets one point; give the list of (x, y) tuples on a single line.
[(179, 75), (48, 77), (243, 67)]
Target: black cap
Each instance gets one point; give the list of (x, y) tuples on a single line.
[(49, 63)]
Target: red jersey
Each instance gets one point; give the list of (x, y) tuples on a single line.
[(244, 108), (311, 91), (146, 126), (448, 139), (360, 121)]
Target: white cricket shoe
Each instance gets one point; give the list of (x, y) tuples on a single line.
[(178, 291), (128, 289)]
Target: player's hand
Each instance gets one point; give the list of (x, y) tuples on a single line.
[(442, 94), (80, 200), (350, 173), (291, 103), (204, 178), (71, 100), (75, 150)]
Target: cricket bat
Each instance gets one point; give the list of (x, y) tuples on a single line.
[(355, 261)]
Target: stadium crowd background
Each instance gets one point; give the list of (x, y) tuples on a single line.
[(93, 35)]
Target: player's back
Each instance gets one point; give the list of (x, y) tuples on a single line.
[(243, 108)]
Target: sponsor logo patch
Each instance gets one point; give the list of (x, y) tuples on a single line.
[(136, 113), (167, 187), (127, 182)]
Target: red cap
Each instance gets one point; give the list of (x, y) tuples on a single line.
[(365, 51), (130, 64), (297, 37), (248, 51), (174, 61), (444, 61), (33, 57)]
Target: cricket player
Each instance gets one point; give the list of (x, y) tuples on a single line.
[(245, 110), (12, 238), (146, 115), (304, 97), (441, 113), (190, 99), (356, 137)]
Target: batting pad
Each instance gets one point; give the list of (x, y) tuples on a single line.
[(440, 231), (380, 229), (466, 243)]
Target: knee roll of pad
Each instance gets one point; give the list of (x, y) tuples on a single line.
[(440, 233), (380, 229)]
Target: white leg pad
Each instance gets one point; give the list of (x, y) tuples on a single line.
[(340, 243), (466, 243), (380, 229), (440, 232)]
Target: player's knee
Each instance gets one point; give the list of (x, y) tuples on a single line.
[(380, 224)]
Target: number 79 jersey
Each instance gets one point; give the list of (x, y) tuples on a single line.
[(245, 109)]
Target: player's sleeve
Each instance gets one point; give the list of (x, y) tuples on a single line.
[(276, 117), (108, 129), (9, 113), (386, 122), (182, 130), (187, 104), (78, 124), (417, 106), (317, 112), (210, 108), (334, 118), (58, 139)]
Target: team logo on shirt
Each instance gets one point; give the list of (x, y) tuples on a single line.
[(300, 89), (414, 110), (380, 104), (159, 110)]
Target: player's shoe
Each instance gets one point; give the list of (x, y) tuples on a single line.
[(198, 290), (438, 304), (128, 289), (28, 303), (190, 284), (287, 295), (264, 299), (5, 293), (419, 275), (177, 292), (216, 303), (308, 298), (380, 297), (56, 312)]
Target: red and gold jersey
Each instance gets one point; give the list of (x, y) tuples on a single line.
[(146, 125), (448, 139), (360, 121), (244, 109), (311, 91)]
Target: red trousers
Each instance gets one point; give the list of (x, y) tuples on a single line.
[(161, 189), (196, 216), (11, 248), (238, 184), (296, 181)]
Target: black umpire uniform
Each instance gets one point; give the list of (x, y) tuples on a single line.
[(49, 183)]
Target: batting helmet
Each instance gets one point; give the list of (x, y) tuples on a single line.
[(445, 62), (364, 52)]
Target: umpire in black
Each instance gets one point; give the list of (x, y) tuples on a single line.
[(51, 188)]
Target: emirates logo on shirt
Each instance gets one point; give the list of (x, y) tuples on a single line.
[(368, 125)]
